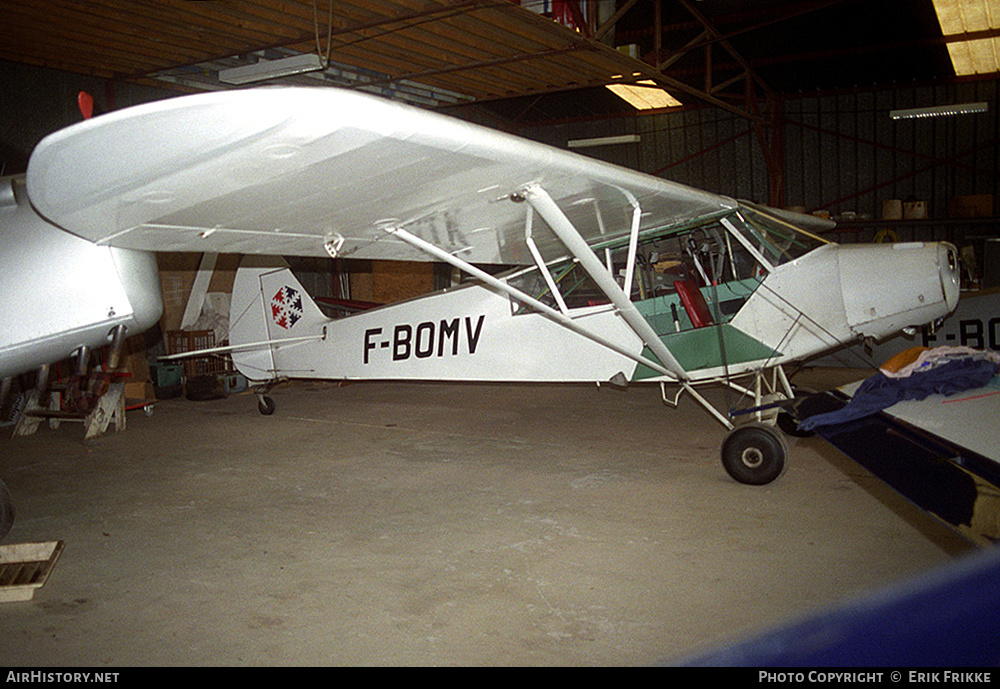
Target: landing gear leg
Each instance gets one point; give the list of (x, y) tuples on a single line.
[(754, 454)]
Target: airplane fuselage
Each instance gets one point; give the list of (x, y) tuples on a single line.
[(477, 333), (61, 292)]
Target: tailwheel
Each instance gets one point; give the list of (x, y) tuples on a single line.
[(754, 454), (265, 405)]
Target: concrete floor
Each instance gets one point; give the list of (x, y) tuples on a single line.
[(433, 524)]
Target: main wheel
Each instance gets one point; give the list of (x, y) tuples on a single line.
[(754, 454)]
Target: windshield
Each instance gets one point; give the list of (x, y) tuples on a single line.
[(776, 238)]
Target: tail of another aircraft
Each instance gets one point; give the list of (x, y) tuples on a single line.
[(269, 306)]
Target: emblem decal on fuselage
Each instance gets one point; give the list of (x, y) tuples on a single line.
[(286, 307)]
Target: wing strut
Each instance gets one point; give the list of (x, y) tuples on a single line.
[(540, 263), (520, 296), (570, 237)]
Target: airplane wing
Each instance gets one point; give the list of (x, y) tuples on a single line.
[(312, 171)]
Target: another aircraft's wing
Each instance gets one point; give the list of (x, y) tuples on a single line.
[(287, 170)]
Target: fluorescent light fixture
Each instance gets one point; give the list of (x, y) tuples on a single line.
[(957, 17), (603, 141), (938, 111), (644, 95), (272, 69)]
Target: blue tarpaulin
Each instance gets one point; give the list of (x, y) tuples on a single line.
[(881, 392)]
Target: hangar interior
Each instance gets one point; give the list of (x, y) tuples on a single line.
[(439, 524)]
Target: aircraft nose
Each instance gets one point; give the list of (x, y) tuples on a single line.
[(949, 271), (889, 287)]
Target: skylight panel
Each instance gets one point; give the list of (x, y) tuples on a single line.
[(644, 95), (957, 17)]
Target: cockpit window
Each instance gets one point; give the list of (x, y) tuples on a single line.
[(777, 239), (724, 257)]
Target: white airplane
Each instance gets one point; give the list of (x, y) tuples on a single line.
[(621, 277)]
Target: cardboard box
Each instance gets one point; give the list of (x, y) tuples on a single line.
[(139, 390), (977, 206)]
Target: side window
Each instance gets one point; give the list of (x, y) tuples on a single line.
[(575, 286), (696, 278), (723, 258), (681, 277), (705, 255)]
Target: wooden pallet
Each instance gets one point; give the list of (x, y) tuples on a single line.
[(24, 568)]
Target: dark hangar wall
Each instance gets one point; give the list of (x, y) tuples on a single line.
[(36, 101), (842, 154)]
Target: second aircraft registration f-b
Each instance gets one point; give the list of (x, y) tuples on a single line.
[(615, 276)]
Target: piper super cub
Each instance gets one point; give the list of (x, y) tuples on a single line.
[(620, 276)]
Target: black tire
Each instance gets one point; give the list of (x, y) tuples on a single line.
[(754, 454), (6, 510), (265, 405)]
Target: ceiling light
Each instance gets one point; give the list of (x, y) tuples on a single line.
[(938, 111), (272, 69), (644, 95), (957, 17), (604, 141)]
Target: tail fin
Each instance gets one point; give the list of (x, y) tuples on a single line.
[(269, 305)]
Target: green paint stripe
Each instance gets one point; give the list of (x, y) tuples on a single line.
[(700, 349)]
